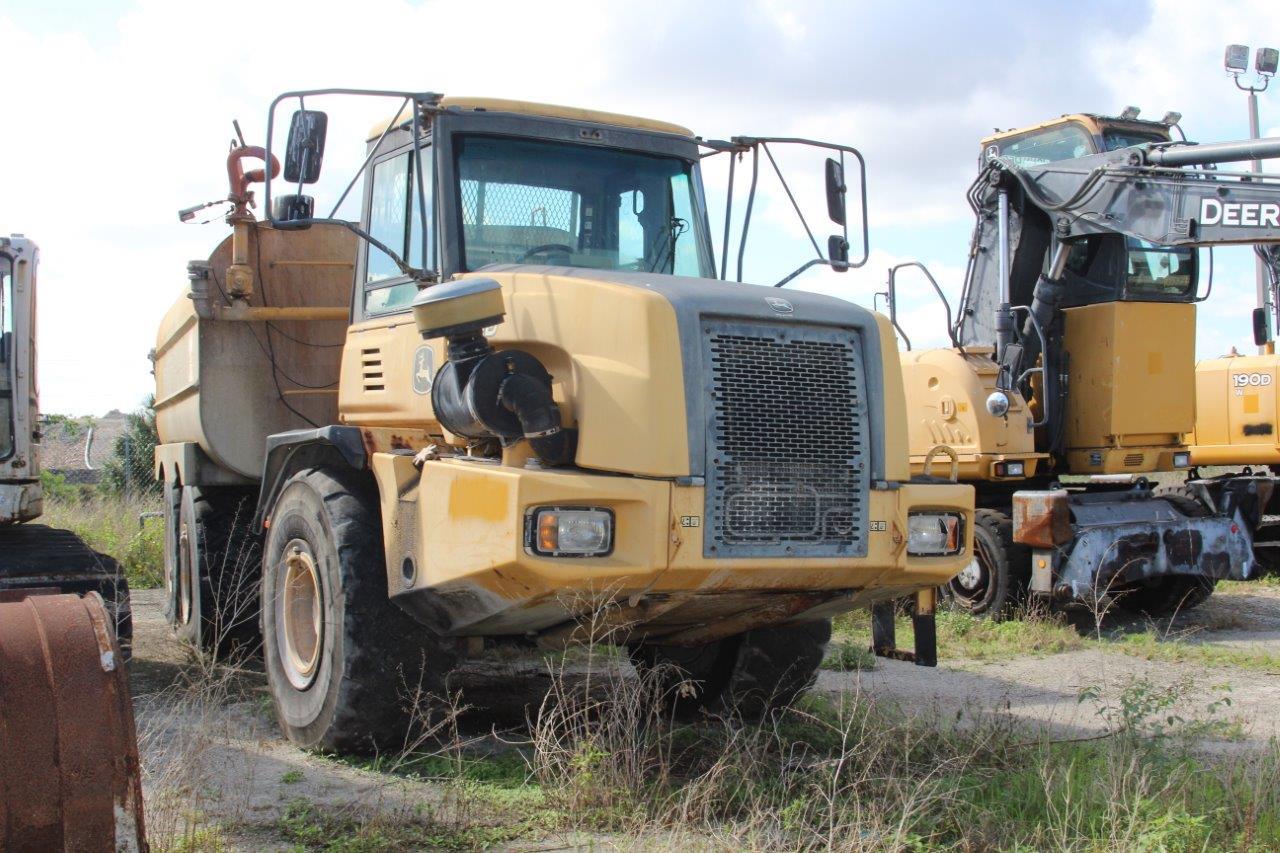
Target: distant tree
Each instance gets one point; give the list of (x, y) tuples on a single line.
[(129, 469)]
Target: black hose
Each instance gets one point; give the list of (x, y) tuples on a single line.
[(530, 401)]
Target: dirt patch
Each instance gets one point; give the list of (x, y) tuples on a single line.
[(1048, 689), (215, 762)]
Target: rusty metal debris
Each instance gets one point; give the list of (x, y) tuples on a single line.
[(67, 737)]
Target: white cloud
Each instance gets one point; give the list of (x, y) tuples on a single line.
[(117, 124)]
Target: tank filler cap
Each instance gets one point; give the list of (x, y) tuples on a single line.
[(459, 308)]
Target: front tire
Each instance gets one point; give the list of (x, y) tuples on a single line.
[(344, 664), (751, 674), (996, 580)]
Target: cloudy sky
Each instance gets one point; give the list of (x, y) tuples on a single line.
[(119, 113)]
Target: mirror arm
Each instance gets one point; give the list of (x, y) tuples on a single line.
[(415, 273), (306, 152), (892, 299), (373, 152), (417, 171), (427, 98), (795, 205), (751, 199), (806, 265), (728, 218)]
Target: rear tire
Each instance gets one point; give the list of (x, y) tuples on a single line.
[(1168, 595), (751, 674), (343, 662), (996, 580), (211, 567)]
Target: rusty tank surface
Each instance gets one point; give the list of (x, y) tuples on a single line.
[(66, 721)]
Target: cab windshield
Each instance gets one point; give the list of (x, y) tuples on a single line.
[(1064, 142), (7, 346), (1117, 139), (527, 201), (1111, 267)]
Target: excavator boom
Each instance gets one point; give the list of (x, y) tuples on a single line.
[(1158, 193)]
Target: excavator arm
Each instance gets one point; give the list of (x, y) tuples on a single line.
[(1160, 192)]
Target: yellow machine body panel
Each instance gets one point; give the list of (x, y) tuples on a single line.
[(455, 525), (946, 392), (1236, 412), (510, 105), (612, 350), (459, 523), (1130, 399)]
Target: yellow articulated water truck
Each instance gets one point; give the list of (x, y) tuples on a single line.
[(1071, 373), (514, 403)]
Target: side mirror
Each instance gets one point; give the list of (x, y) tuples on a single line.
[(835, 192), (305, 149), (838, 252), (1261, 328)]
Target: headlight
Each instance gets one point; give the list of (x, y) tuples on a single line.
[(934, 534), (1010, 469), (569, 532), (998, 404), (1182, 460)]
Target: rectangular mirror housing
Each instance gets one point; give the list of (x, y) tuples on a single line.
[(838, 252), (835, 193), (1261, 328), (304, 151)]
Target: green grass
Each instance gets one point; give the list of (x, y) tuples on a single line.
[(1149, 646), (963, 636), (1270, 582), (838, 770), (111, 525)]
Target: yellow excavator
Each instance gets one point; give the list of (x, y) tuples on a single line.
[(1070, 375), (1237, 411), (71, 779)]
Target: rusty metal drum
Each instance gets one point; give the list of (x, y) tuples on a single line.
[(68, 748)]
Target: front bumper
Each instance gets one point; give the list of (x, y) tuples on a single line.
[(457, 558)]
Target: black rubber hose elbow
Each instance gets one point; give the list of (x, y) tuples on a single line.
[(530, 401)]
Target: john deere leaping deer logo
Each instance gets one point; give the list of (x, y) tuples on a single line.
[(422, 364)]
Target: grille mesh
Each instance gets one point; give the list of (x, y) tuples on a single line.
[(786, 441)]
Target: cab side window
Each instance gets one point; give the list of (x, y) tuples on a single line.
[(395, 221)]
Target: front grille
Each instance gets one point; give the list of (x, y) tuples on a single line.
[(787, 466)]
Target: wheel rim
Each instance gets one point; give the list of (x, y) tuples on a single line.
[(299, 625), (184, 574), (974, 580)]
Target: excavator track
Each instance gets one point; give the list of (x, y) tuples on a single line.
[(35, 556)]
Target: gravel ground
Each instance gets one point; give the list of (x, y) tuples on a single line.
[(220, 748)]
